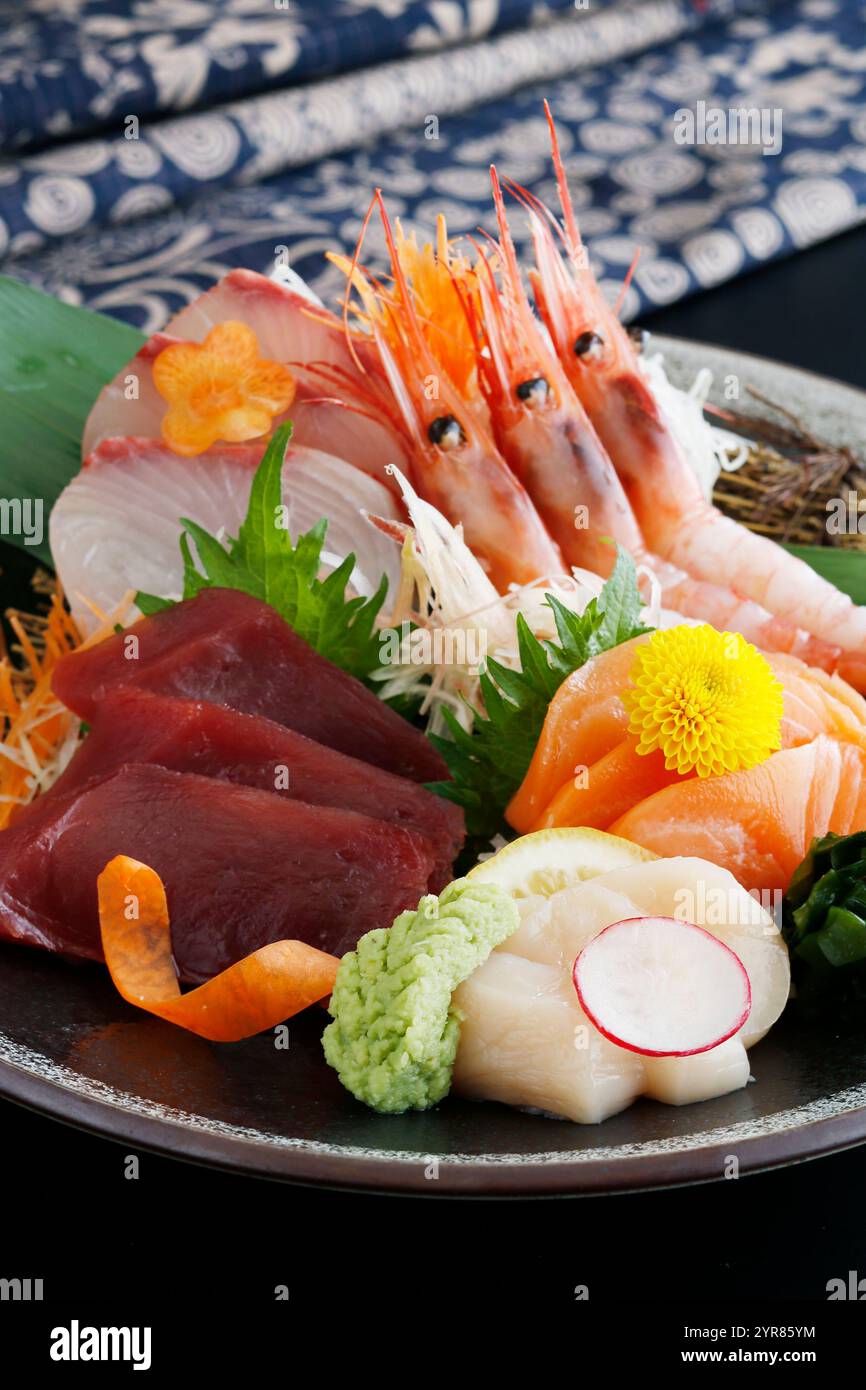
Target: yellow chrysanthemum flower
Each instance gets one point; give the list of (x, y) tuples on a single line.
[(707, 699)]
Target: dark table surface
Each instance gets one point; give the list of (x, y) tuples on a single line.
[(72, 1217)]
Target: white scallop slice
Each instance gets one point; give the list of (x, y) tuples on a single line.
[(526, 1040)]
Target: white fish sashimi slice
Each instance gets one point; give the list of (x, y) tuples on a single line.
[(289, 329), (130, 405), (311, 342), (525, 1038), (117, 525)]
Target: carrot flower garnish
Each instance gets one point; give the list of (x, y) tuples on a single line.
[(220, 389), (257, 992)]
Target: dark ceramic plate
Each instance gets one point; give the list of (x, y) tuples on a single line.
[(70, 1047)]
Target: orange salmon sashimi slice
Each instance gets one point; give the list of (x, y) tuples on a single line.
[(585, 720), (817, 703), (759, 823), (597, 795), (585, 770)]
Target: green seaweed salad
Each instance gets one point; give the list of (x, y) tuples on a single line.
[(824, 923)]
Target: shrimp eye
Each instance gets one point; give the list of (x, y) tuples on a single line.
[(446, 433), (589, 345), (534, 392)]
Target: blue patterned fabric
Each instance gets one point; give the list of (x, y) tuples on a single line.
[(70, 66), (61, 190), (615, 79)]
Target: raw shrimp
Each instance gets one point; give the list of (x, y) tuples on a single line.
[(548, 440), (674, 515), (455, 463), (539, 424)]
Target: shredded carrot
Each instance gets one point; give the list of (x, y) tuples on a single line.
[(38, 735), (444, 295), (256, 993)]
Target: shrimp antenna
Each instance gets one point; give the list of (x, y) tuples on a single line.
[(469, 308), (562, 185), (336, 376), (485, 260), (506, 243), (620, 299), (492, 329), (530, 201), (404, 293), (350, 279), (536, 209), (463, 296)]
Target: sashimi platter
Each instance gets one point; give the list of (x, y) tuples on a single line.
[(403, 729)]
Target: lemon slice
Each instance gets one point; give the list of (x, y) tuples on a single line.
[(548, 860)]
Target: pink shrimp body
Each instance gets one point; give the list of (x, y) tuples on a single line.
[(676, 519), (538, 422), (455, 463), (546, 436)]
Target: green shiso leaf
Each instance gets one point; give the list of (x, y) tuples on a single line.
[(54, 360), (488, 763), (150, 604), (264, 562)]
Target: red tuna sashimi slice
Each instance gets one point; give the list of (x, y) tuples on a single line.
[(214, 741), (116, 526), (232, 649), (241, 868), (289, 329)]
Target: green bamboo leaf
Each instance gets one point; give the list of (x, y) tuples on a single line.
[(55, 358), (844, 568)]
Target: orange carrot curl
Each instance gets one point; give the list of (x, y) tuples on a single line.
[(256, 993)]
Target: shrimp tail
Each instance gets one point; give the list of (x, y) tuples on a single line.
[(731, 612)]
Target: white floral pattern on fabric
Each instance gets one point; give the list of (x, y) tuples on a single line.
[(250, 140), (701, 213), (69, 67)]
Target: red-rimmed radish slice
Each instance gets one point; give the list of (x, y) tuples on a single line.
[(116, 526), (662, 987)]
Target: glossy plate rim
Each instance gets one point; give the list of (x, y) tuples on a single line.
[(836, 1122)]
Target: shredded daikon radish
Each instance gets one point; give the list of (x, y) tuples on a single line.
[(451, 620), (709, 450)]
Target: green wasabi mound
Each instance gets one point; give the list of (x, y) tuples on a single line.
[(395, 1032)]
